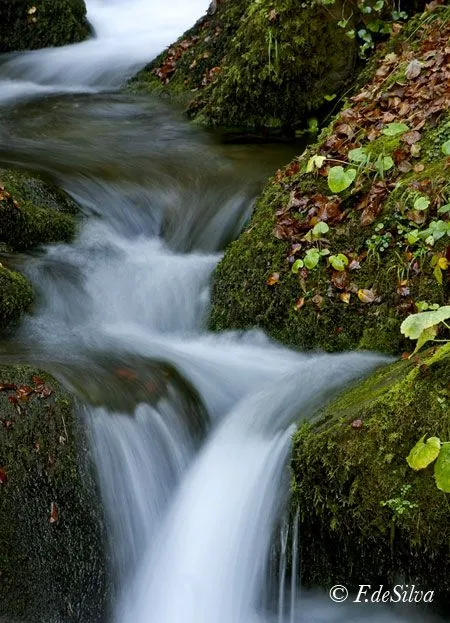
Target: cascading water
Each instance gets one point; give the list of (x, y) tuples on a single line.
[(192, 462)]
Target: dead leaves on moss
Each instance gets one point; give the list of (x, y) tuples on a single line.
[(410, 87)]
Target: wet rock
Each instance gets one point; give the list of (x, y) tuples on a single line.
[(360, 239), (28, 25), (52, 555), (366, 516), (247, 65)]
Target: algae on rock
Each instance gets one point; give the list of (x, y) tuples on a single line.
[(32, 212), (250, 65), (366, 517), (16, 297), (389, 245), (44, 23), (52, 554)]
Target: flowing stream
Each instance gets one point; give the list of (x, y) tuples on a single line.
[(191, 430)]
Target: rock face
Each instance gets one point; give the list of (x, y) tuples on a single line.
[(28, 25), (31, 213), (249, 65), (365, 514), (51, 528), (353, 235)]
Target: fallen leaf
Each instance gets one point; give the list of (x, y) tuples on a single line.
[(366, 296), (273, 279), (3, 476), (54, 513), (413, 70)]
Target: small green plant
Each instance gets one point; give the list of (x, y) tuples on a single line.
[(426, 452), (338, 262), (310, 260), (339, 179), (400, 505)]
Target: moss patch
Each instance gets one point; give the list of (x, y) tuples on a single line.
[(365, 514), (51, 531), (255, 64), (33, 212), (372, 223), (16, 297), (44, 23)]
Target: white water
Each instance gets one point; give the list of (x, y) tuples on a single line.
[(128, 34), (193, 476)]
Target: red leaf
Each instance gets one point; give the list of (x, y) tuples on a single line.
[(3, 476), (54, 513)]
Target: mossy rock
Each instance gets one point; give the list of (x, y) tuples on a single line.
[(16, 297), (366, 516), (30, 25), (52, 554), (255, 64), (370, 222), (33, 212)]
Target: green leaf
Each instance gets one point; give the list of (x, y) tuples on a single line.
[(312, 258), (442, 468), (319, 229), (388, 163), (394, 129), (421, 203), (413, 236), (338, 262), (330, 98), (427, 335), (445, 147), (358, 155), (378, 5), (297, 265), (437, 273), (424, 453), (444, 209), (414, 324), (340, 179), (315, 162)]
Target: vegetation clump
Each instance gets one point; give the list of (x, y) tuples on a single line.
[(32, 213), (16, 297), (255, 64), (354, 235), (51, 528), (28, 25), (364, 512)]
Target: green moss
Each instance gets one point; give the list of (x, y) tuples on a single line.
[(52, 23), (359, 521), (16, 297), (33, 212), (309, 312), (49, 570), (254, 64)]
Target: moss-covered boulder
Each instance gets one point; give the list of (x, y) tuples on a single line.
[(354, 235), (366, 516), (16, 297), (51, 527), (28, 25), (32, 212), (255, 64)]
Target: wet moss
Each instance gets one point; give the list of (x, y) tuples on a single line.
[(254, 65), (33, 212), (314, 309), (16, 297), (28, 26), (51, 528), (366, 517)]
